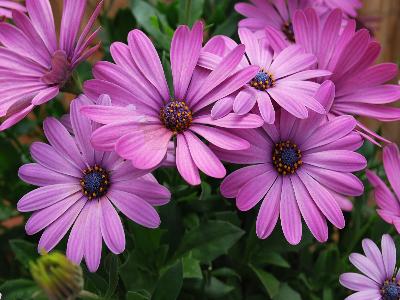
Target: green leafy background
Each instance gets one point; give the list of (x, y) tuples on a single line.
[(205, 248)]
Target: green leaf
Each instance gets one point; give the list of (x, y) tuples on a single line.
[(190, 11), (153, 22), (191, 268), (24, 251), (112, 264), (19, 289), (210, 240), (217, 289), (270, 258), (286, 292), (270, 283), (169, 285), (138, 295)]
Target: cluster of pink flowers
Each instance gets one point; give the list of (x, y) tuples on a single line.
[(283, 103)]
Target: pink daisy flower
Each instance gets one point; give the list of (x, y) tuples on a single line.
[(81, 187), (282, 80), (388, 203), (7, 6), (379, 280), (275, 13), (297, 168), (361, 85), (137, 78), (349, 7), (34, 66)]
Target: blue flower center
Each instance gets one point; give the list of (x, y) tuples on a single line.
[(95, 182), (176, 116), (287, 29), (286, 158), (262, 81), (391, 290)]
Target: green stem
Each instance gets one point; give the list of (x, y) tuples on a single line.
[(73, 85)]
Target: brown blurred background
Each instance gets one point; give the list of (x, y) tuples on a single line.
[(382, 15)]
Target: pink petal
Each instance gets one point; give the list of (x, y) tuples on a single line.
[(232, 121), (135, 208), (38, 175), (290, 213), (357, 282), (269, 211), (336, 160), (220, 137), (388, 255), (185, 51), (203, 157), (111, 227), (145, 149), (244, 102), (391, 163), (93, 245), (46, 196), (56, 231), (235, 181)]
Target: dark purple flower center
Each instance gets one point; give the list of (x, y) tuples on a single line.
[(287, 29), (95, 182), (391, 290), (262, 81), (176, 116), (286, 157)]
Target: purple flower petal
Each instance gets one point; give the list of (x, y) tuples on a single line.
[(269, 211), (290, 213), (235, 181), (220, 138), (93, 245), (185, 51), (203, 157), (146, 149), (366, 266), (44, 217), (146, 58), (388, 255), (336, 160), (244, 102), (357, 282), (38, 175), (135, 208), (111, 227), (372, 252), (62, 142), (46, 196), (255, 189), (232, 121), (77, 237), (391, 163), (184, 162), (310, 212), (56, 231), (46, 156)]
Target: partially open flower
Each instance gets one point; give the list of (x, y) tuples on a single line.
[(59, 278)]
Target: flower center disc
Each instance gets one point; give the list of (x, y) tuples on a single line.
[(391, 290), (262, 81), (176, 116), (286, 157), (287, 29), (95, 182)]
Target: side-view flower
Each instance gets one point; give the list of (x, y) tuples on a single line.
[(34, 64), (81, 187), (387, 201)]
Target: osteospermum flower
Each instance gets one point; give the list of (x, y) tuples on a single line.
[(388, 203), (275, 13), (282, 80), (81, 188), (7, 6), (349, 7), (137, 78), (379, 280), (297, 168), (34, 66), (361, 85)]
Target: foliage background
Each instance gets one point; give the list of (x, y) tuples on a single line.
[(205, 248)]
